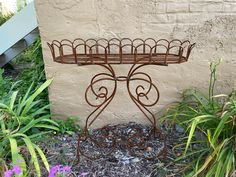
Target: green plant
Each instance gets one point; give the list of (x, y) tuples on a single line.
[(2, 167), (4, 18), (6, 85), (20, 4), (32, 69), (22, 121), (210, 122), (68, 126)]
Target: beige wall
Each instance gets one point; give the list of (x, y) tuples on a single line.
[(211, 24)]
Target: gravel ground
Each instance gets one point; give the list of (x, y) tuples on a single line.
[(120, 163)]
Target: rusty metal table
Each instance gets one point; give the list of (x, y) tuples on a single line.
[(105, 53)]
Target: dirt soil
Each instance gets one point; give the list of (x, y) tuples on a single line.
[(123, 160)]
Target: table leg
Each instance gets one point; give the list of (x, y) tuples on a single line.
[(106, 139), (144, 89), (105, 96)]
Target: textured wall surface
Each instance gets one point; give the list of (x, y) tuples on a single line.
[(209, 23)]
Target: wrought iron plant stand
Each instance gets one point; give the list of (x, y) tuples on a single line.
[(139, 53)]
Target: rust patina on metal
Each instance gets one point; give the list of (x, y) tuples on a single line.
[(105, 53)]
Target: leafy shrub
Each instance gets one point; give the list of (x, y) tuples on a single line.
[(22, 121), (5, 84), (68, 126), (4, 18), (32, 70), (210, 123)]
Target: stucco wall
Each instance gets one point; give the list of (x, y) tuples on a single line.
[(209, 23)]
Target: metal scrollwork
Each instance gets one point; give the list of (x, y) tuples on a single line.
[(102, 94), (106, 141), (142, 90)]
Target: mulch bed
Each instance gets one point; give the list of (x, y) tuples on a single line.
[(120, 163)]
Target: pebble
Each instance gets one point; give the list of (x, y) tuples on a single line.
[(179, 128), (149, 149), (135, 160)]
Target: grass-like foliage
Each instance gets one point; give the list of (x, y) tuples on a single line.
[(5, 84), (25, 115), (31, 62), (69, 126), (4, 18), (22, 121), (210, 124)]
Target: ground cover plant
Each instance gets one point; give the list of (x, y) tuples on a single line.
[(209, 121), (25, 116), (22, 121), (30, 69)]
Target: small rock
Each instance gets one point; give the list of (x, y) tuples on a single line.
[(149, 149), (135, 160), (179, 129), (126, 162), (178, 154)]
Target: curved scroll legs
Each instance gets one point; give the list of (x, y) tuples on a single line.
[(143, 89), (143, 92), (102, 93), (103, 97)]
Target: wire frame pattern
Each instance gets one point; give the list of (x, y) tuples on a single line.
[(120, 51), (140, 86)]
